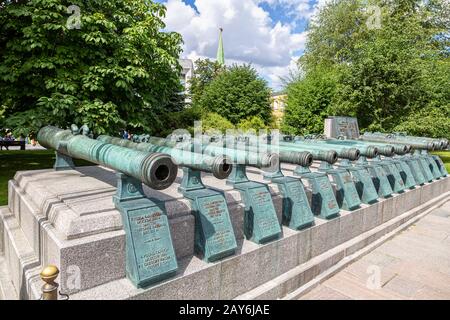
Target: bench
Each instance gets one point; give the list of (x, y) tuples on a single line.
[(8, 144)]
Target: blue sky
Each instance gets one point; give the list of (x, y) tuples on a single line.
[(269, 34)]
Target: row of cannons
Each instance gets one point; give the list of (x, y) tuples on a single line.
[(346, 174)]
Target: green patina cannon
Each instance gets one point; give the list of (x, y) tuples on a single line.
[(220, 166), (301, 158), (431, 167), (156, 170), (296, 211), (324, 202), (395, 140), (150, 255), (439, 144), (319, 153), (398, 173), (365, 186), (348, 151), (209, 206), (384, 149), (261, 223), (241, 157)]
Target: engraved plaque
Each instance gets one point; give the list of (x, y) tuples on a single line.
[(347, 195), (324, 203), (297, 213), (416, 171), (364, 185), (441, 165), (215, 237), (425, 169), (347, 127), (260, 222), (150, 246), (380, 180), (394, 177), (406, 174), (434, 167)]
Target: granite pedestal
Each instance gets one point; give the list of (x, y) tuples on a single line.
[(68, 219)]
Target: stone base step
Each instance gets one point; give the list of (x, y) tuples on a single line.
[(19, 257), (7, 290)]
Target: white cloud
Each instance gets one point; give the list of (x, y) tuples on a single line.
[(250, 36)]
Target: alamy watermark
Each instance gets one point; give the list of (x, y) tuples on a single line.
[(374, 20), (74, 21), (73, 282), (374, 280)]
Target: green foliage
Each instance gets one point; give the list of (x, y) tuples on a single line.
[(389, 77), (308, 102), (254, 123), (183, 119), (213, 122), (117, 70), (430, 122), (205, 72), (238, 93)]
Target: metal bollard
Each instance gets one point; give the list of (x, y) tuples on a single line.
[(50, 288)]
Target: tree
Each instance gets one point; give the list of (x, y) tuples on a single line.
[(212, 122), (238, 93), (254, 123), (118, 69), (309, 101), (385, 74)]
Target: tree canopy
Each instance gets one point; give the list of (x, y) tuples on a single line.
[(390, 70), (118, 69), (237, 93)]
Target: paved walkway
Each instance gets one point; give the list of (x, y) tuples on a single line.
[(413, 265)]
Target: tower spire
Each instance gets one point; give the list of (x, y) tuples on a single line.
[(220, 51)]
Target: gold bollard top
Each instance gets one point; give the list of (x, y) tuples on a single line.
[(49, 274)]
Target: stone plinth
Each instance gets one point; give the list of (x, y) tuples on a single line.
[(68, 219)]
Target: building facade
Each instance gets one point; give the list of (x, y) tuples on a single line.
[(187, 72), (278, 103)]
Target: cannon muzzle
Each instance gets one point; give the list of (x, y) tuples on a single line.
[(220, 166), (303, 158)]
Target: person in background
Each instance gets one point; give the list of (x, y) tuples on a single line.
[(9, 136), (125, 134)]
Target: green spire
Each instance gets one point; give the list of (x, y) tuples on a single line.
[(220, 53)]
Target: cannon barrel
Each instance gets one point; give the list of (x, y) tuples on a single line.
[(369, 150), (156, 170), (330, 156), (439, 144), (254, 159), (394, 140), (341, 151), (383, 148), (301, 158), (220, 166), (419, 142)]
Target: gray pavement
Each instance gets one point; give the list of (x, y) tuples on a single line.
[(413, 265)]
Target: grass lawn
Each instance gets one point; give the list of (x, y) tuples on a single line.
[(12, 161), (445, 156)]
